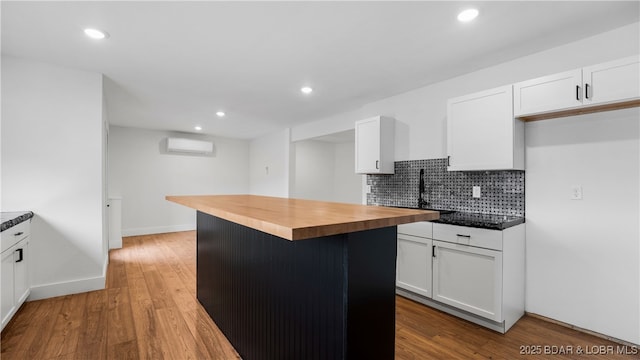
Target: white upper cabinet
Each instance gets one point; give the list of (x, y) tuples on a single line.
[(548, 93), (482, 133), (613, 81), (615, 84), (375, 145)]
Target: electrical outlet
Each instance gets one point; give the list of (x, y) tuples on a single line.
[(368, 188), (576, 192), (476, 192)]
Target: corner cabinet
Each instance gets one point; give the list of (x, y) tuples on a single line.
[(482, 133), (16, 285), (375, 145), (607, 86)]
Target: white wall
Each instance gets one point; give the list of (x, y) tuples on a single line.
[(582, 265), (52, 159), (143, 173), (337, 123), (269, 163), (421, 134), (347, 185), (314, 170), (325, 171)]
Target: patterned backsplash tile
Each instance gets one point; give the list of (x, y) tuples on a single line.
[(502, 191)]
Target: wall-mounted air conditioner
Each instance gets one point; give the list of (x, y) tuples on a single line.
[(189, 146)]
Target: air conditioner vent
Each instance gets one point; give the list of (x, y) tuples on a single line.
[(189, 146)]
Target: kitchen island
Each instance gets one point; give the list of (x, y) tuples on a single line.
[(299, 279)]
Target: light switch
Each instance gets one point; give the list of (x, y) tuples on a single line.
[(576, 192), (476, 192)]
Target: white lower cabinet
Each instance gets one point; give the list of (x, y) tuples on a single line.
[(21, 285), (15, 287), (469, 278), (7, 285), (476, 274), (414, 264)]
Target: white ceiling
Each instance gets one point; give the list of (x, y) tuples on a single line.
[(172, 65)]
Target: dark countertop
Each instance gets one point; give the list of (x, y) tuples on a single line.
[(478, 220), (11, 219), (484, 221)]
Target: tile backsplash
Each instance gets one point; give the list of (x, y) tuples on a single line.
[(502, 191)]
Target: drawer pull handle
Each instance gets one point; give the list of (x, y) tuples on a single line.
[(20, 258), (18, 233), (464, 236)]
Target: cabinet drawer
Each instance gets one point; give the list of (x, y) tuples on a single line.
[(11, 236), (484, 238), (421, 229)]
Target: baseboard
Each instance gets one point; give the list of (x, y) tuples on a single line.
[(157, 230), (67, 288), (105, 266), (582, 330)]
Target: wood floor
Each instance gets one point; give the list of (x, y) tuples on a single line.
[(149, 311)]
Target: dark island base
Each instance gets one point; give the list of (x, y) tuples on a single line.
[(331, 297)]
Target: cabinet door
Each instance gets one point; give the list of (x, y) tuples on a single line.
[(7, 287), (21, 272), (612, 81), (468, 278), (414, 264), (368, 146), (549, 93), (481, 131)]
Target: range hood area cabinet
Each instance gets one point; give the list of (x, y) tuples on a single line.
[(482, 133), (375, 145), (607, 86)]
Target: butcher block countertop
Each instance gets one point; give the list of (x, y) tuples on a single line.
[(296, 219)]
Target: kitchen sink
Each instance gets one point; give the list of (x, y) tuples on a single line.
[(442, 212)]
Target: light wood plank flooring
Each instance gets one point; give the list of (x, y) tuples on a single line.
[(149, 311)]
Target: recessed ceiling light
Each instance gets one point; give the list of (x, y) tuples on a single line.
[(96, 34), (220, 113), (198, 128), (468, 15), (306, 90)]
